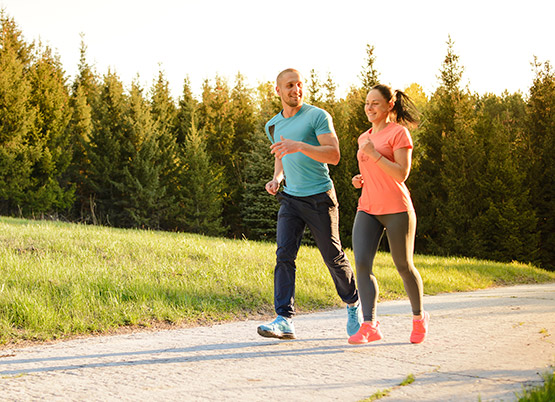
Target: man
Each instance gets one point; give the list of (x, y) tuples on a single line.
[(303, 143)]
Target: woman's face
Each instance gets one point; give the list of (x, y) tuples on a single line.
[(376, 107)]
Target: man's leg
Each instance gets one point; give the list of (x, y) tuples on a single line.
[(290, 228), (322, 217)]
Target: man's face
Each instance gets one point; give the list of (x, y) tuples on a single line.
[(290, 89)]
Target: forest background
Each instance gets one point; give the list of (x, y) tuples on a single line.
[(91, 150)]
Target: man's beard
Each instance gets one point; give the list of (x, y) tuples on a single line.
[(294, 102)]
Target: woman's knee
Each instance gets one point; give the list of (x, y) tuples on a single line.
[(363, 268), (405, 269)]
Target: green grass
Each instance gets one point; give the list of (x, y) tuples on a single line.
[(543, 393), (408, 380), (379, 394), (59, 280), (382, 393)]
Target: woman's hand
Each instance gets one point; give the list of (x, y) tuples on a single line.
[(357, 181), (369, 149)]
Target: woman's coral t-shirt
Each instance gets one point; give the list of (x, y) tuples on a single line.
[(381, 193)]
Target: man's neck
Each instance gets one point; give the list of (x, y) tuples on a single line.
[(289, 111)]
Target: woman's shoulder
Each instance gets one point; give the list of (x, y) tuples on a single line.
[(397, 130), (400, 136), (396, 127)]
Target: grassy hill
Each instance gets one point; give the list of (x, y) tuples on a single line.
[(59, 280)]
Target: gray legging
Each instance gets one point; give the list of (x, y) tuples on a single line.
[(367, 233)]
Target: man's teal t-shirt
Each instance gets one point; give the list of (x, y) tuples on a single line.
[(303, 175)]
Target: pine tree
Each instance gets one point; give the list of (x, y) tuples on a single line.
[(243, 115), (539, 142), (330, 92), (369, 75), (83, 98), (186, 108), (443, 165), (314, 90), (185, 121), (80, 128), (163, 108), (216, 117), (164, 114), (17, 118), (50, 98), (143, 201), (86, 78), (258, 208), (244, 119), (105, 153), (11, 38), (201, 188), (505, 226)]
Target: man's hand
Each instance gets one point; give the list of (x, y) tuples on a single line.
[(272, 186), (284, 147), (326, 152)]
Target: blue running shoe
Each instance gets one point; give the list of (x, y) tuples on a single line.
[(354, 319), (281, 328)]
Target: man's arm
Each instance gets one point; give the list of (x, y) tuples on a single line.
[(272, 186), (326, 152)]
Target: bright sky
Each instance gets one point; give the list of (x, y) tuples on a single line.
[(496, 40)]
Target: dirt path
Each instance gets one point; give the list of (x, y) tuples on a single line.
[(482, 345)]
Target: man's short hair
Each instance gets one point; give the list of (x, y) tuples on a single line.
[(286, 71)]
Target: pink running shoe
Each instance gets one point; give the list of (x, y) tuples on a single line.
[(366, 333), (420, 328)]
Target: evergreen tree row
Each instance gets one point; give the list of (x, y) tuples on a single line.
[(96, 152), (483, 175)]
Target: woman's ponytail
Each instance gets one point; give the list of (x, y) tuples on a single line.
[(403, 108)]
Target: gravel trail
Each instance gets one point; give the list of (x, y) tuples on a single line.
[(483, 345)]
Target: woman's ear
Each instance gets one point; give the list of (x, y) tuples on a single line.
[(391, 104)]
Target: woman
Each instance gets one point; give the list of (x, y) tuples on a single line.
[(384, 158)]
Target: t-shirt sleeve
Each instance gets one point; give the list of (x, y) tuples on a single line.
[(269, 128), (323, 123), (402, 139)]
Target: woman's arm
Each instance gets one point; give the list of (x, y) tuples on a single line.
[(399, 168)]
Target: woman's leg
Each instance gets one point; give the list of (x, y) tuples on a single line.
[(367, 232), (401, 230)]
